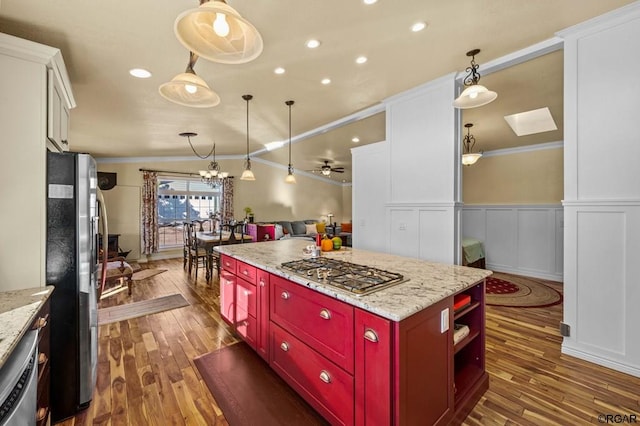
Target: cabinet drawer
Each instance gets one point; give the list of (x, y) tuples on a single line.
[(246, 271), (324, 385), (246, 297), (246, 327), (228, 263), (321, 322)]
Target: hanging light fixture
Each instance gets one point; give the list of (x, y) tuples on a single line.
[(247, 174), (475, 94), (212, 176), (290, 177), (217, 32), (188, 89), (469, 158)]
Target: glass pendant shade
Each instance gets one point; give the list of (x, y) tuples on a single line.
[(189, 90), (290, 178), (474, 96), (247, 175), (469, 159), (217, 32)]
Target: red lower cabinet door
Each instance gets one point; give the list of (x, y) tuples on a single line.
[(246, 326), (227, 296), (373, 340), (262, 338), (324, 385), (245, 296)]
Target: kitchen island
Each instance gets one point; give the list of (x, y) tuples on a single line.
[(387, 357)]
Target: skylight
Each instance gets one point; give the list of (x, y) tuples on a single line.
[(531, 122)]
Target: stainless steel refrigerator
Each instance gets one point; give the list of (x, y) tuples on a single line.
[(72, 226)]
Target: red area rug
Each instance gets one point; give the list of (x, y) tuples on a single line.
[(249, 392), (523, 292), (498, 286)]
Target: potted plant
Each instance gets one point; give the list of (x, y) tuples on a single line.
[(248, 214)]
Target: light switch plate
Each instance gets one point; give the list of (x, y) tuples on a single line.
[(444, 320)]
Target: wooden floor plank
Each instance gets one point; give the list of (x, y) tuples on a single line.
[(145, 365)]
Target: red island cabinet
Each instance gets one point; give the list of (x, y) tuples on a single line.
[(353, 366)]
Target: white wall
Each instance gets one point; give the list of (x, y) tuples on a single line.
[(518, 239), (370, 177), (602, 190), (423, 167)]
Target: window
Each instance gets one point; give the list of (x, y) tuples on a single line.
[(183, 200)]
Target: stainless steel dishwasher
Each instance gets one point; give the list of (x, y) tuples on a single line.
[(19, 383)]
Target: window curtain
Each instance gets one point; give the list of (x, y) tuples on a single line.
[(227, 200), (149, 234)]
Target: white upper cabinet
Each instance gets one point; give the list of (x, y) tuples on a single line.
[(57, 113)]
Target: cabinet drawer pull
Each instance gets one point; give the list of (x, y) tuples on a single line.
[(245, 272), (325, 314), (284, 346), (246, 292), (40, 323), (371, 335), (41, 413), (261, 282), (42, 358), (285, 295), (325, 377)]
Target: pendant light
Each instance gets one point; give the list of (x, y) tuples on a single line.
[(475, 94), (469, 158), (247, 174), (290, 177), (188, 89), (217, 32)]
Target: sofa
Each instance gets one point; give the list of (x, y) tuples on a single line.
[(307, 229)]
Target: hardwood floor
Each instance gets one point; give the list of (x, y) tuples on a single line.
[(146, 374)]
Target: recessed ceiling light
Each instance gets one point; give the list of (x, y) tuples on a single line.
[(361, 59), (279, 70), (273, 145), (313, 43), (355, 139), (326, 81), (418, 26), (531, 122), (369, 1), (140, 73)]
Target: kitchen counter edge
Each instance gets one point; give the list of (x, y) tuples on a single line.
[(428, 282), (18, 309)]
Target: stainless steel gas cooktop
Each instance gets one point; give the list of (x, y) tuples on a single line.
[(358, 280)]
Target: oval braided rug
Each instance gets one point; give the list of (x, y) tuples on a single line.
[(517, 291)]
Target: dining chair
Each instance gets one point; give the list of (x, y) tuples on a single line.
[(196, 254), (186, 244)]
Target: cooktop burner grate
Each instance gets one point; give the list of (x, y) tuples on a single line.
[(356, 279)]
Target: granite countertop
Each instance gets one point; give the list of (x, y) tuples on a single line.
[(428, 282), (18, 309)]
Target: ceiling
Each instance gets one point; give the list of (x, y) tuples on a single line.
[(121, 116)]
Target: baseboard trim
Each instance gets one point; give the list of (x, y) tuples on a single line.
[(614, 365), (526, 272)]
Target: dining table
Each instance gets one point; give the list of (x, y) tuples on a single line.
[(208, 240)]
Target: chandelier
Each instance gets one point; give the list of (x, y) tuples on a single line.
[(475, 94), (469, 158), (213, 176)]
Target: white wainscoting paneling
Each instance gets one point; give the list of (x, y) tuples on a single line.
[(519, 239)]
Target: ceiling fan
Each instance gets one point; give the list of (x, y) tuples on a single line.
[(326, 169)]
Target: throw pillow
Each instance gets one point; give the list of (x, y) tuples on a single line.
[(311, 229), (321, 228)]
